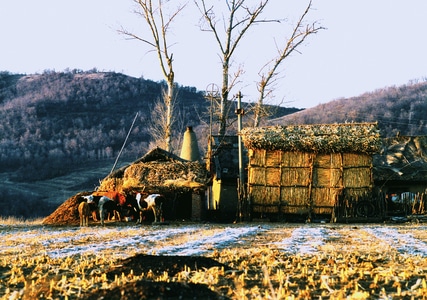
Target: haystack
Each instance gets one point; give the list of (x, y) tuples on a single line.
[(158, 171)]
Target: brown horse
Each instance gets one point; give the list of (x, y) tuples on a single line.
[(84, 213)]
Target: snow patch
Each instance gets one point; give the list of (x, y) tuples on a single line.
[(206, 243), (405, 243), (304, 240)]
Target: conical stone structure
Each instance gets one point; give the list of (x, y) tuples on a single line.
[(190, 148)]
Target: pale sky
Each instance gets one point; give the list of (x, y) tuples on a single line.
[(368, 45)]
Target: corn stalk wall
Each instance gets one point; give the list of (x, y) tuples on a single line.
[(304, 182)]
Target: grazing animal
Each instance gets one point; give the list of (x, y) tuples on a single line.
[(102, 210), (153, 202), (103, 204), (113, 209), (91, 199), (84, 213)]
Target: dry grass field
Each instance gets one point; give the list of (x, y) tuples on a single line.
[(213, 261)]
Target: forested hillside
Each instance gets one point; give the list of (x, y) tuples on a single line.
[(54, 120), (398, 110), (51, 122)]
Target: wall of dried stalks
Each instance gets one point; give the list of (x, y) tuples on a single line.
[(305, 170)]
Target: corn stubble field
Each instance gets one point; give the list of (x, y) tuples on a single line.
[(213, 261)]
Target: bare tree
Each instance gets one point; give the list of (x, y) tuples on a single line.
[(228, 32), (159, 26), (268, 78)]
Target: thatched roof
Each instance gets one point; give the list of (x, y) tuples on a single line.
[(158, 170), (326, 138), (402, 158)]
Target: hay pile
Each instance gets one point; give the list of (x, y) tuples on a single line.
[(327, 138), (66, 213), (159, 171)]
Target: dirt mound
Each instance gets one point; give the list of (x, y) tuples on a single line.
[(172, 264), (66, 213), (145, 289)]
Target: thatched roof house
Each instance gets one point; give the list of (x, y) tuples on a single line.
[(182, 182), (158, 171), (310, 169)]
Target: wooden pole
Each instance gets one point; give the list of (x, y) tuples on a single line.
[(124, 143)]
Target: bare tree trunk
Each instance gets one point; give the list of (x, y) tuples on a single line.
[(224, 100), (169, 115), (158, 26), (240, 18)]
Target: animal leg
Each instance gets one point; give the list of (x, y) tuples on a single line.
[(157, 210), (86, 217), (94, 216), (101, 216), (117, 216), (141, 217), (155, 213)]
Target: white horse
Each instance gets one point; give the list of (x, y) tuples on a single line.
[(101, 203), (153, 202)]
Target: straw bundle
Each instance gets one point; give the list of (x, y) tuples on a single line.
[(159, 175), (356, 160), (326, 178), (329, 138), (330, 160), (357, 178)]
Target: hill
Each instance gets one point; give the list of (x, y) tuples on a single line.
[(398, 110), (60, 132)]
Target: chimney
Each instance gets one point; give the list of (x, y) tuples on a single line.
[(190, 148)]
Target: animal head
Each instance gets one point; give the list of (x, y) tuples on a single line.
[(138, 198), (89, 198)]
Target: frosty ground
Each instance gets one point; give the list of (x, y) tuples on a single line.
[(196, 239), (333, 245)]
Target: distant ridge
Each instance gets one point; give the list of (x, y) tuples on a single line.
[(398, 110)]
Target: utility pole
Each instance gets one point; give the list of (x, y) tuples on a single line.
[(212, 93), (241, 192)]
